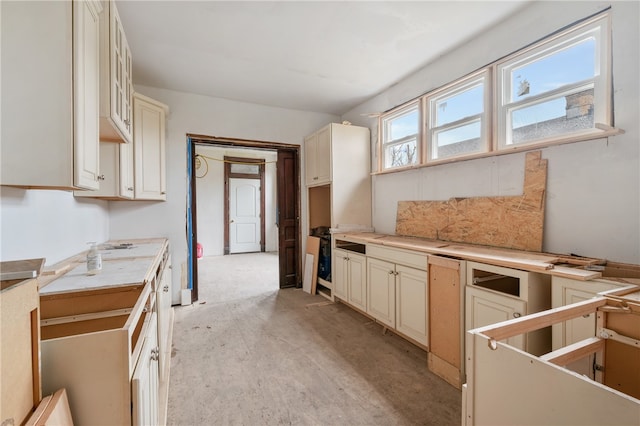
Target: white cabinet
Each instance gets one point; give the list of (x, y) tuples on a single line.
[(50, 92), (349, 278), (317, 149), (116, 172), (149, 148), (165, 319), (338, 153), (397, 290), (116, 89), (144, 383), (381, 291), (495, 294)]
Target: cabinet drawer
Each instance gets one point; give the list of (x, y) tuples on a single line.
[(399, 256)]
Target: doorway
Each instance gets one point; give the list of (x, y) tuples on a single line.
[(287, 216), (244, 205)]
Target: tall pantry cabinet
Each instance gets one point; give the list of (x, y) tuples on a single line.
[(337, 167), (50, 86)]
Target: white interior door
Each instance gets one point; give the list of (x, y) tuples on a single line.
[(244, 215)]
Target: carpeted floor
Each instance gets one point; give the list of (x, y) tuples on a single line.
[(248, 353)]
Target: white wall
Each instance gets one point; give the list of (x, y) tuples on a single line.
[(202, 115), (49, 223), (593, 187), (210, 197)]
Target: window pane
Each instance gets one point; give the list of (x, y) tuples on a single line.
[(403, 154), (554, 117), (402, 126), (248, 169), (461, 105), (456, 141), (570, 65)]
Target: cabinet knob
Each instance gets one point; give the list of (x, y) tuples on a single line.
[(517, 314), (165, 288), (127, 122), (101, 177), (130, 188), (315, 178), (390, 272)]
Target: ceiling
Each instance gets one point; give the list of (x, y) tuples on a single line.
[(315, 56)]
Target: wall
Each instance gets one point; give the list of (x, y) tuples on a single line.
[(49, 223), (593, 187), (202, 115), (210, 197)]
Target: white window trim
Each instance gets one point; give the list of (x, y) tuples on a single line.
[(453, 89), (391, 115), (597, 27)]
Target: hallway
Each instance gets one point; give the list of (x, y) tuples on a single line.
[(248, 353)]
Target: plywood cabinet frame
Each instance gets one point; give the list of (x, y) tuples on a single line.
[(496, 371)]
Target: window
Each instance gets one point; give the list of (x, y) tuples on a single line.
[(400, 137), (557, 88), (457, 122)]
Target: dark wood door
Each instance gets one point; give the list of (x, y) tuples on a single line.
[(288, 218)]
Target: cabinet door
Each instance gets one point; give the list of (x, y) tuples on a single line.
[(310, 155), (339, 274), (357, 281), (485, 308), (149, 149), (323, 156), (411, 303), (86, 91), (381, 291), (163, 299), (121, 87), (144, 384)]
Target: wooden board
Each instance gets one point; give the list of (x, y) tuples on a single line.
[(313, 248), (53, 410), (514, 222), (308, 273)]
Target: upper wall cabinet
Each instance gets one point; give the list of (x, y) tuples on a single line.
[(116, 172), (116, 89), (149, 148), (317, 160), (50, 93)]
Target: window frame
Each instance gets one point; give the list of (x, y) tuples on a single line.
[(597, 27), (496, 111), (382, 130), (483, 77)]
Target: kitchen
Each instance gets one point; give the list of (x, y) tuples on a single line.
[(593, 196)]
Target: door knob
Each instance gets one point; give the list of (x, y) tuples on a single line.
[(231, 221)]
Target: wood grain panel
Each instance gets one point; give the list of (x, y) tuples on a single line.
[(514, 222)]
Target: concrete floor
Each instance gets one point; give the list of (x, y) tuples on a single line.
[(248, 353)]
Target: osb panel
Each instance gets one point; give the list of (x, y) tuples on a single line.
[(514, 222)]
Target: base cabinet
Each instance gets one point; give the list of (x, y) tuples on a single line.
[(447, 279), (397, 290), (495, 294), (349, 278), (145, 381)]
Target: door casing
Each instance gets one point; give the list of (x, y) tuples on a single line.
[(285, 185)]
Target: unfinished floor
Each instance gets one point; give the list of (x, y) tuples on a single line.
[(248, 353)]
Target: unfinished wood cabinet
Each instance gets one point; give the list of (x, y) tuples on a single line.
[(447, 279), (103, 335), (20, 349), (508, 386), (495, 294), (50, 94)]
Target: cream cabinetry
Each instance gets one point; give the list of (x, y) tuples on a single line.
[(397, 290), (495, 294), (149, 148), (317, 148), (341, 153), (50, 94), (103, 335), (349, 278), (116, 88), (116, 172)]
